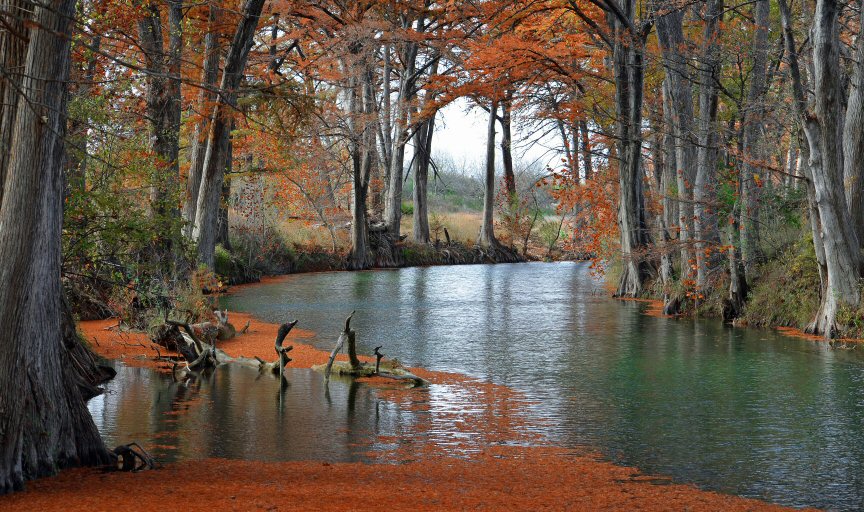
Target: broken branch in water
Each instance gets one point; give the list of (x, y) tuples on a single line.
[(378, 356), (354, 368)]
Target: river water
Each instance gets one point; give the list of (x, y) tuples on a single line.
[(743, 411)]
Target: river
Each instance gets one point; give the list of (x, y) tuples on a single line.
[(743, 411)]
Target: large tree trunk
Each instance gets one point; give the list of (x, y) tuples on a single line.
[(666, 167), (753, 120), (393, 198), (487, 230), (44, 423), (13, 50), (853, 137), (362, 131), (422, 160), (705, 188), (670, 34), (842, 256), (629, 68), (216, 157), (207, 96), (821, 127)]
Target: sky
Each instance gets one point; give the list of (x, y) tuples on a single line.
[(460, 131)]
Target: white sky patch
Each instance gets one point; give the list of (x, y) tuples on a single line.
[(460, 131)]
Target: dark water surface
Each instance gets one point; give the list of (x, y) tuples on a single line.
[(743, 411), (235, 413)]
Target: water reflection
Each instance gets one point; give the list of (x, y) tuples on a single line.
[(234, 412), (737, 410)]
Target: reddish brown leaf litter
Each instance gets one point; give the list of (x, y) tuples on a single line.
[(473, 451), (500, 479), (111, 341)]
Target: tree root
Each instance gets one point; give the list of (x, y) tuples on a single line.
[(133, 457)]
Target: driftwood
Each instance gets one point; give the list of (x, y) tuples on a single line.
[(200, 355), (355, 368), (347, 336), (378, 357)]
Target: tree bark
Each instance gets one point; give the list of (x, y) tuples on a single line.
[(44, 423), (422, 160), (507, 147), (13, 51), (670, 34), (705, 188), (207, 96), (362, 148), (629, 69), (215, 159), (487, 230), (753, 120), (407, 81), (163, 103), (666, 166), (838, 239), (853, 137)]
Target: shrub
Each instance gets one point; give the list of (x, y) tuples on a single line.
[(786, 292)]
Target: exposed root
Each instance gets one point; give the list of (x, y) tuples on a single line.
[(133, 457)]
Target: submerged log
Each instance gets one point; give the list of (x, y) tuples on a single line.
[(355, 368)]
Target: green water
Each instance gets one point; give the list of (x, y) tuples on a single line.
[(742, 411)]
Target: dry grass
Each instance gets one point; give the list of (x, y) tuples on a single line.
[(462, 226), (305, 234)]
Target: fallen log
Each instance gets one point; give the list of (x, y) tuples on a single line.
[(355, 368), (200, 355)]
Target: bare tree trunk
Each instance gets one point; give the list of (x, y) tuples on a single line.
[(362, 131), (422, 161), (705, 189), (586, 149), (207, 96), (629, 68), (853, 137), (667, 166), (393, 199), (76, 175), (487, 230), (839, 241), (670, 33), (223, 237), (13, 51), (215, 160), (753, 119), (385, 130), (45, 424), (507, 146)]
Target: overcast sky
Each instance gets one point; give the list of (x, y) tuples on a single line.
[(461, 131)]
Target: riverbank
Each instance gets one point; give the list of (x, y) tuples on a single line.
[(384, 254), (503, 469)]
